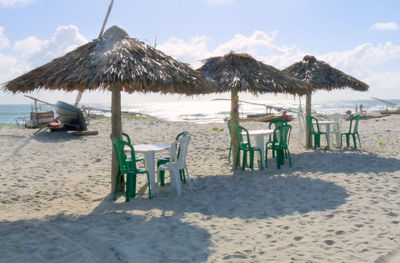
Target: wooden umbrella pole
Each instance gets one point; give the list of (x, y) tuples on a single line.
[(116, 132), (308, 113), (234, 123)]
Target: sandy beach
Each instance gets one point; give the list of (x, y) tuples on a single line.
[(331, 206)]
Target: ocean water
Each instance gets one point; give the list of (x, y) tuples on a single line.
[(199, 111)]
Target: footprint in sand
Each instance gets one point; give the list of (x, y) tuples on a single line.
[(329, 242)]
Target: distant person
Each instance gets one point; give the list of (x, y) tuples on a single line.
[(356, 108)]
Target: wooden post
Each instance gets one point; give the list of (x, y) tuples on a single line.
[(308, 113), (116, 132), (234, 123)]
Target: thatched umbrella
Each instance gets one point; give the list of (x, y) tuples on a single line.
[(242, 73), (117, 63), (318, 75)]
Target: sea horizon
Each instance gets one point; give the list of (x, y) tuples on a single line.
[(201, 111)]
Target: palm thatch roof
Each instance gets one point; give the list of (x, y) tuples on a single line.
[(243, 72), (114, 58), (320, 75)]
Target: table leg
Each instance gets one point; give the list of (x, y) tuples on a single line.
[(328, 131), (260, 144), (337, 134), (150, 166)]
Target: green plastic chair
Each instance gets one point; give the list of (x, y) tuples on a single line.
[(246, 147), (128, 140), (316, 132), (353, 131), (164, 160), (280, 144), (128, 167), (272, 126)]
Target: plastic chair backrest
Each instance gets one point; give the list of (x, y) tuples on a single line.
[(310, 124), (276, 123), (242, 142), (282, 135), (126, 137), (119, 147), (184, 133), (178, 151), (356, 120)]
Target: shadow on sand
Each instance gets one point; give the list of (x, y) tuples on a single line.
[(247, 195), (108, 237), (345, 162)]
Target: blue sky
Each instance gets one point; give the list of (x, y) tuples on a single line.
[(359, 37)]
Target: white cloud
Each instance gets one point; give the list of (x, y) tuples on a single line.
[(196, 49), (191, 52), (4, 42), (6, 3), (38, 51), (30, 46), (377, 65), (219, 2), (391, 26), (32, 52)]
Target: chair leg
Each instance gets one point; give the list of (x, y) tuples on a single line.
[(348, 140), (188, 179), (128, 187), (266, 154), (133, 186), (148, 183), (278, 159), (251, 153), (178, 185), (359, 141), (354, 141), (244, 161), (289, 158), (162, 178), (327, 141), (182, 175)]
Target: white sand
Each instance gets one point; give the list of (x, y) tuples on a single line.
[(331, 206)]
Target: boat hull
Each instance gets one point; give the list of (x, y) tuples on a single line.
[(70, 116)]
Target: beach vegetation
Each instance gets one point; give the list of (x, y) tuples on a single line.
[(381, 143), (139, 117)]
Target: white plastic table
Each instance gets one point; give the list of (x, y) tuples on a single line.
[(149, 151), (327, 125), (259, 137)]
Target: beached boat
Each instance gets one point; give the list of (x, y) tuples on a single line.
[(70, 116), (390, 107), (266, 117)]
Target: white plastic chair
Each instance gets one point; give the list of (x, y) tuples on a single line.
[(177, 163), (337, 128), (302, 124)]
